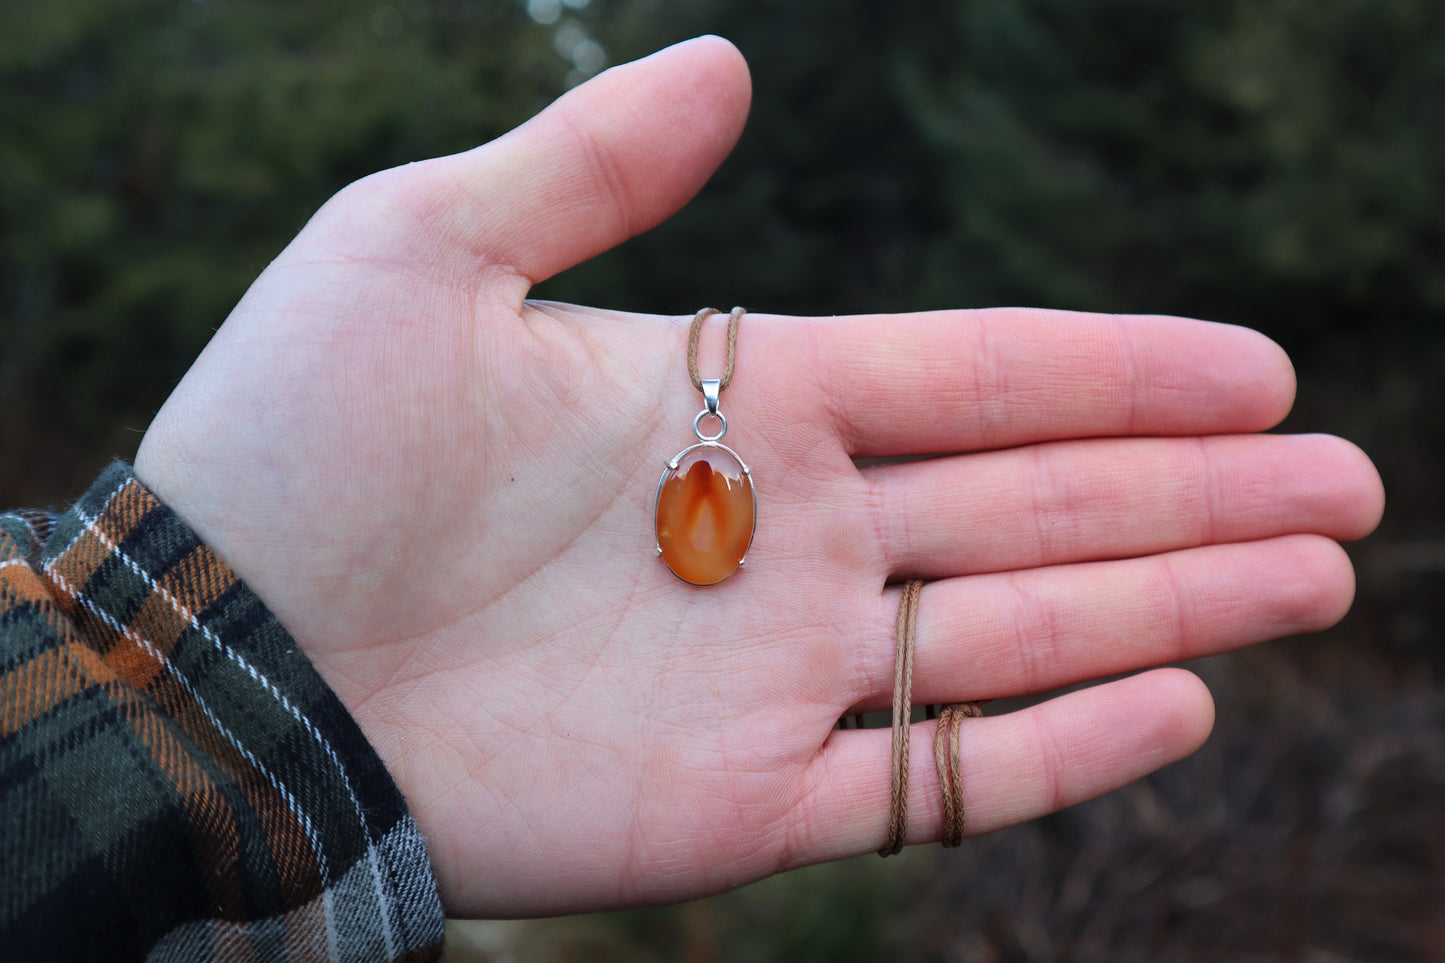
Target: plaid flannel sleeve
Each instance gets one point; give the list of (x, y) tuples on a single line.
[(176, 780)]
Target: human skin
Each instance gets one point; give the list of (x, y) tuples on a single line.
[(444, 491)]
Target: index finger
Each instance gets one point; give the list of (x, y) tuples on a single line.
[(996, 378)]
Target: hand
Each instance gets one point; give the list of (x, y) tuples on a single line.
[(445, 492)]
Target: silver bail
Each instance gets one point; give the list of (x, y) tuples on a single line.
[(710, 391)]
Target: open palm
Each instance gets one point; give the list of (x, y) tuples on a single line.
[(444, 490)]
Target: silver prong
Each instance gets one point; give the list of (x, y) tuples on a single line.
[(672, 465), (659, 551)]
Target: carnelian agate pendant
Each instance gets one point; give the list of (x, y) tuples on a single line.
[(706, 509)]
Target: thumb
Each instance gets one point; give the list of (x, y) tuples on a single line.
[(609, 160)]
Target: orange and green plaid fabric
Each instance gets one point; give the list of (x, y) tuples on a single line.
[(176, 780)]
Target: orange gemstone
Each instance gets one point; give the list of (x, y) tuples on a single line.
[(705, 514)]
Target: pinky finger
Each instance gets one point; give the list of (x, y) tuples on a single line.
[(1015, 767)]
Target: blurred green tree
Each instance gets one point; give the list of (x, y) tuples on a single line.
[(156, 154), (1273, 163)]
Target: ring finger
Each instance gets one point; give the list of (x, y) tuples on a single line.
[(1020, 633)]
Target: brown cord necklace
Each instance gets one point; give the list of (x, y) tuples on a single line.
[(946, 759), (706, 510)]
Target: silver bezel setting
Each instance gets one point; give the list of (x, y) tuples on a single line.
[(675, 462)]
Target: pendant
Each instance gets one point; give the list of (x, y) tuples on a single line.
[(706, 509)]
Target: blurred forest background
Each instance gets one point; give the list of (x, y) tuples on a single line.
[(1275, 163)]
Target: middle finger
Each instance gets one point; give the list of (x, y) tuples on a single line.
[(1073, 501)]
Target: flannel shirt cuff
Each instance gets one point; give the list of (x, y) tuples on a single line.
[(176, 780)]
